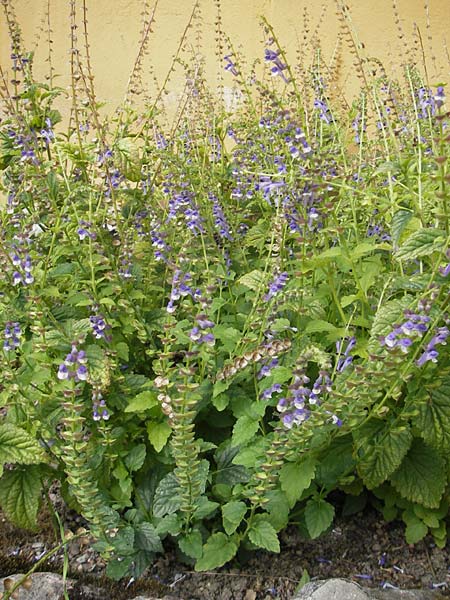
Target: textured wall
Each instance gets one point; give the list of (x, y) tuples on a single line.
[(114, 33)]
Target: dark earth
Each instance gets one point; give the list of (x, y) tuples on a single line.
[(362, 548)]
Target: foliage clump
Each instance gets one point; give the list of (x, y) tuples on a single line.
[(210, 327)]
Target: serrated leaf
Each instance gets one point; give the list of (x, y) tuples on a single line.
[(142, 402), (204, 507), (415, 531), (433, 420), (263, 535), (252, 280), (20, 494), (167, 496), (232, 514), (278, 508), (336, 461), (319, 515), (158, 434), (169, 524), (319, 326), (384, 450), (18, 446), (295, 478), (122, 351), (229, 336), (227, 472), (399, 222), (191, 544), (244, 429), (421, 243), (249, 455), (135, 458), (422, 476), (117, 569), (218, 550), (147, 538), (389, 313)]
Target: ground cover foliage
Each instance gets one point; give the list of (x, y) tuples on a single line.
[(211, 326)]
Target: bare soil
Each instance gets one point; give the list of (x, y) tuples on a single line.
[(362, 548)]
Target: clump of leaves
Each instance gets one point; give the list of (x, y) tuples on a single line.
[(207, 329)]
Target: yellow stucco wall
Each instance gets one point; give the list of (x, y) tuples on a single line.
[(114, 27)]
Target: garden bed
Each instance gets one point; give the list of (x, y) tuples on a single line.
[(362, 548)]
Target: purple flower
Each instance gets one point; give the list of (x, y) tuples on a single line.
[(278, 68), (324, 111), (220, 220), (99, 410), (430, 353), (204, 322), (74, 366), (230, 66), (266, 369), (12, 335), (439, 97), (99, 327), (83, 230), (267, 394), (276, 286)]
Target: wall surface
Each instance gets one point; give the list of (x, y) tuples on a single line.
[(114, 27)]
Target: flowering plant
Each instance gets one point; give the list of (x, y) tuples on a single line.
[(206, 332)]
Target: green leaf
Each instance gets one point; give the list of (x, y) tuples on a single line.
[(147, 538), (415, 530), (249, 455), (117, 569), (389, 313), (244, 429), (421, 243), (384, 449), (421, 477), (158, 434), (295, 478), (204, 507), (18, 446), (278, 508), (122, 351), (228, 336), (142, 402), (252, 280), (20, 495), (335, 462), (305, 578), (399, 222), (319, 515), (169, 524), (227, 472), (167, 496), (218, 550), (191, 544), (433, 420), (135, 459), (263, 535), (319, 326), (232, 514)]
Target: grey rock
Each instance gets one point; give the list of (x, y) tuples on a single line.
[(340, 589), (404, 595), (331, 589), (50, 586), (44, 586)]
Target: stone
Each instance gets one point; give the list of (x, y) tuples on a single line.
[(331, 589), (44, 586), (50, 586), (340, 589)]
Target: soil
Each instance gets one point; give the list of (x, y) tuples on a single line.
[(362, 548)]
